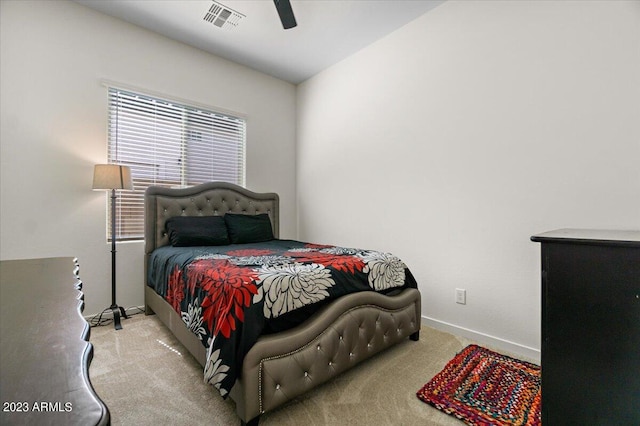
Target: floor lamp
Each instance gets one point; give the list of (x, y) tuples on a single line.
[(113, 177)]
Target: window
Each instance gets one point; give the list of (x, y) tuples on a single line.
[(166, 143)]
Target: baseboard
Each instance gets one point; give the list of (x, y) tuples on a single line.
[(108, 314), (526, 352)]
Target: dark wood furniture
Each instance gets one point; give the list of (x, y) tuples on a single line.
[(45, 353), (590, 327)]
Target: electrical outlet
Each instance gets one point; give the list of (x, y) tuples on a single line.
[(461, 296)]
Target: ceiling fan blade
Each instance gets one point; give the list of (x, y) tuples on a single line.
[(286, 13)]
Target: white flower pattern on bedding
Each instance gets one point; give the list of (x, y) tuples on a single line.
[(340, 251), (215, 371), (384, 269), (288, 287), (193, 320), (303, 249), (261, 260), (212, 256)]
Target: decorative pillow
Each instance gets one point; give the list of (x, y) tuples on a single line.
[(248, 228), (186, 231)]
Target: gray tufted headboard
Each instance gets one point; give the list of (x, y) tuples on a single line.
[(207, 199)]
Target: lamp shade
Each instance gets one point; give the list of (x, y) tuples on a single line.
[(112, 176)]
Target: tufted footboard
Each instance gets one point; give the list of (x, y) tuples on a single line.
[(283, 366)]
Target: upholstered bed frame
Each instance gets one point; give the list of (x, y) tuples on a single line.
[(280, 366)]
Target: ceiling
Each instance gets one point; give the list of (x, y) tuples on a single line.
[(327, 32)]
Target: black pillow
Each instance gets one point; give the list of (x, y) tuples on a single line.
[(186, 231), (248, 228)]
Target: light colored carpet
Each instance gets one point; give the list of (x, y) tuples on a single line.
[(146, 377)]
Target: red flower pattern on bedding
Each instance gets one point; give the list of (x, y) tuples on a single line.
[(175, 290), (316, 246), (250, 252), (229, 290), (342, 263)]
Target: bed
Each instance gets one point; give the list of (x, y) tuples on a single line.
[(336, 335)]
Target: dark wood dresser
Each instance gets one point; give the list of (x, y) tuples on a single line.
[(590, 327), (45, 353)]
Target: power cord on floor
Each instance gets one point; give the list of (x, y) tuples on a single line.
[(100, 319)]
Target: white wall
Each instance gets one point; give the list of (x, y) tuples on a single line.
[(53, 124), (449, 142), (453, 140)]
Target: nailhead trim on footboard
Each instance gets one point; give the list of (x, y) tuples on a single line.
[(355, 336)]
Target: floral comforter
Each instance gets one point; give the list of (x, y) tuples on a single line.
[(230, 295)]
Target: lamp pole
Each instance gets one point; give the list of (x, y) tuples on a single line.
[(117, 310), (113, 177)]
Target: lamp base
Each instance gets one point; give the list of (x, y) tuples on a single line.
[(117, 312)]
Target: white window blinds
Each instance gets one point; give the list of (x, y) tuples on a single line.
[(168, 144)]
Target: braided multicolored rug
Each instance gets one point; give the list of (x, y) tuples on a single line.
[(482, 387)]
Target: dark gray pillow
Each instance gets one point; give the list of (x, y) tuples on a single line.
[(186, 231), (248, 228)]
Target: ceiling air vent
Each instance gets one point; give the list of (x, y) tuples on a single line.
[(223, 16)]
